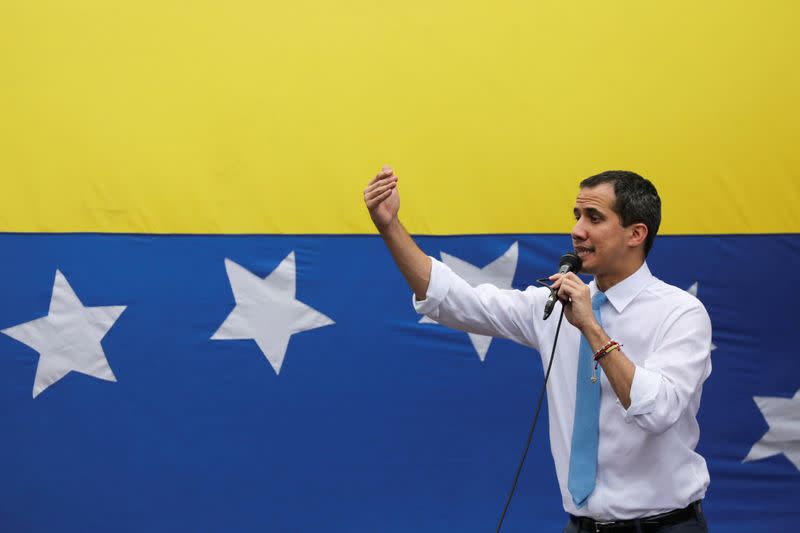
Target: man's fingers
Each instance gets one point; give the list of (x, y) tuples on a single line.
[(373, 198), (572, 287), (563, 293), (379, 179), (378, 194), (374, 191), (566, 288), (378, 199), (383, 180), (375, 187), (557, 279), (384, 173), (568, 280)]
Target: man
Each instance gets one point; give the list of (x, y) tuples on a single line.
[(625, 388)]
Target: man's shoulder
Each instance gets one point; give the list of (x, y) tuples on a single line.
[(671, 295)]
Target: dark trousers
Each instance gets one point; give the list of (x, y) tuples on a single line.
[(693, 525)]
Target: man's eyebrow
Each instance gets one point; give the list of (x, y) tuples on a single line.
[(591, 211)]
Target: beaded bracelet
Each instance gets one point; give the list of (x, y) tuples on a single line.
[(602, 352), (609, 347)]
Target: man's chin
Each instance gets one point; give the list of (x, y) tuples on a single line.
[(587, 269)]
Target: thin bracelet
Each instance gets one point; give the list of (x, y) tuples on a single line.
[(602, 352), (615, 346)]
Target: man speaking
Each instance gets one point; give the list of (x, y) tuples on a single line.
[(626, 385)]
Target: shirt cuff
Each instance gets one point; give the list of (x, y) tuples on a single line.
[(644, 391), (438, 287)]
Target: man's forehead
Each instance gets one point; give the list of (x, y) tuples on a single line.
[(599, 196)]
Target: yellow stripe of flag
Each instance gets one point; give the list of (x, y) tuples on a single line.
[(270, 117)]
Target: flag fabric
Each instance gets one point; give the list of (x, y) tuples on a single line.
[(374, 422), (202, 332)]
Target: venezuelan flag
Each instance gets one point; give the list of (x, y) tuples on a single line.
[(202, 331)]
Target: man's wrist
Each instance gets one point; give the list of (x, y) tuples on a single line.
[(595, 334), (391, 227)]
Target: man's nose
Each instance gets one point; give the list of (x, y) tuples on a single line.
[(578, 231)]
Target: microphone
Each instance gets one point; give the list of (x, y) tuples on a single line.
[(568, 263)]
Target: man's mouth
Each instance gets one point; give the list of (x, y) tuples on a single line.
[(583, 251)]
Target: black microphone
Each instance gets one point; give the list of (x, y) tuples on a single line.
[(568, 263)]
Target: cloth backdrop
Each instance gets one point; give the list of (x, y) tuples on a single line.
[(202, 331)]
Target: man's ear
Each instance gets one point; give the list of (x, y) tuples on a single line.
[(637, 234)]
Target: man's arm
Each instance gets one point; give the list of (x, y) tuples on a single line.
[(440, 294), (383, 202), (667, 383), (616, 366), (578, 309), (656, 394), (412, 262)]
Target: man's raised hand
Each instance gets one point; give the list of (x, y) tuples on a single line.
[(382, 198)]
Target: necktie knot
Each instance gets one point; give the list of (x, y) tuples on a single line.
[(598, 299)]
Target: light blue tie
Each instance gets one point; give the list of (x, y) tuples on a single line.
[(586, 428)]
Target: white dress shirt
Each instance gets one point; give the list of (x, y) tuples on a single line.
[(646, 463)]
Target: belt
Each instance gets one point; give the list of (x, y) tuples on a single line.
[(647, 523)]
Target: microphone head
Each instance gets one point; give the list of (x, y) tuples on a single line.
[(573, 261)]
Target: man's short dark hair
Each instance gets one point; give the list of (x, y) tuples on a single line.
[(637, 200)]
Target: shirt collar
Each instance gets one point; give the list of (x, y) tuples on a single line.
[(621, 294)]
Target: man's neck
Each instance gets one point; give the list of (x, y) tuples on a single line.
[(606, 281)]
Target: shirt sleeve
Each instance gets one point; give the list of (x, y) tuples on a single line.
[(673, 374), (485, 309)]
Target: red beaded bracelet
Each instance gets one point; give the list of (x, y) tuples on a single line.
[(602, 352), (605, 350)]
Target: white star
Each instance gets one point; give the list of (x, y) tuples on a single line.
[(693, 291), (499, 273), (68, 338), (783, 417), (267, 310)]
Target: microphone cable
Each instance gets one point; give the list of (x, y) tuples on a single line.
[(535, 418)]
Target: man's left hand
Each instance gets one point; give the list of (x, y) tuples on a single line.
[(574, 295)]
